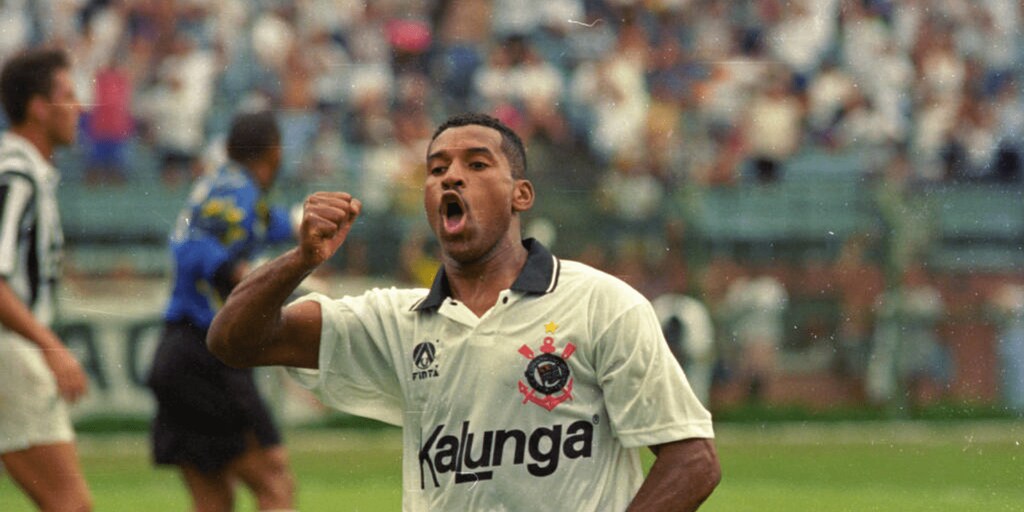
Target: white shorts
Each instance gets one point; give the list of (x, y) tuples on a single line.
[(32, 412)]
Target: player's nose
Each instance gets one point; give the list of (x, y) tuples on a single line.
[(454, 177)]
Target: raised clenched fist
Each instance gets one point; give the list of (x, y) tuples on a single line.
[(327, 218)]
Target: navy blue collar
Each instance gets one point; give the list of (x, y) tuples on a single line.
[(539, 276)]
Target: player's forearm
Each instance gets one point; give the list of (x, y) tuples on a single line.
[(250, 322), (682, 477), (17, 317)]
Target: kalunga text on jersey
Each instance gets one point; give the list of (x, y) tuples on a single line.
[(473, 461)]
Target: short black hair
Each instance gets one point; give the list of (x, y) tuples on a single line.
[(28, 74), (511, 144), (251, 134)]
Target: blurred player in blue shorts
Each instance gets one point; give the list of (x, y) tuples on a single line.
[(211, 421)]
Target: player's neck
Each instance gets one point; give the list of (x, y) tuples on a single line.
[(477, 285), (262, 172), (37, 138)]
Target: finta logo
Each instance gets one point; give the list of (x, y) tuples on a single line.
[(540, 450), (424, 358)]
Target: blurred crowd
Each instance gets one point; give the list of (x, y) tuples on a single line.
[(642, 96), (746, 332), (656, 92)]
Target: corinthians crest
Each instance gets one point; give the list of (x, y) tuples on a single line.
[(548, 378)]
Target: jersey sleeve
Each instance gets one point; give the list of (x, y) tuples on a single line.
[(355, 373), (702, 341), (15, 197), (203, 258), (648, 398)]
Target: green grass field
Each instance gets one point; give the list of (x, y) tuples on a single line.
[(905, 466)]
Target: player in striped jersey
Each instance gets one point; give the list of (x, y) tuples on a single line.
[(38, 374)]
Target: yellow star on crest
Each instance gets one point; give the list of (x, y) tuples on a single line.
[(550, 328)]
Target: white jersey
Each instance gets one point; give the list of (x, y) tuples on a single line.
[(543, 401), (31, 239), (31, 411), (697, 341), (689, 332)]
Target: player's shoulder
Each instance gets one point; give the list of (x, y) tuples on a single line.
[(584, 280), (670, 304), (384, 300), (16, 171), (401, 298), (15, 163), (576, 273), (230, 181)]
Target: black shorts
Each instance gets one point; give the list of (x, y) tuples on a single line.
[(207, 412)]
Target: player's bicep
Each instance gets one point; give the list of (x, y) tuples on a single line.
[(682, 477), (297, 339)]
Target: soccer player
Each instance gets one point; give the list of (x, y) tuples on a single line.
[(689, 331), (211, 421), (38, 374), (522, 381)]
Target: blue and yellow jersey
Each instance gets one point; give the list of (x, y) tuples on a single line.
[(225, 221)]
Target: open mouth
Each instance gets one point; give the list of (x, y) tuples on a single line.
[(453, 211)]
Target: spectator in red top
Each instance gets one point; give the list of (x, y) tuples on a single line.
[(110, 124)]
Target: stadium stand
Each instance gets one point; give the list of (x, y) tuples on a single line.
[(892, 121)]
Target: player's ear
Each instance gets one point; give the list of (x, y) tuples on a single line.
[(275, 155), (37, 107), (522, 196)]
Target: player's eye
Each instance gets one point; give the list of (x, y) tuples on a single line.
[(437, 170)]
